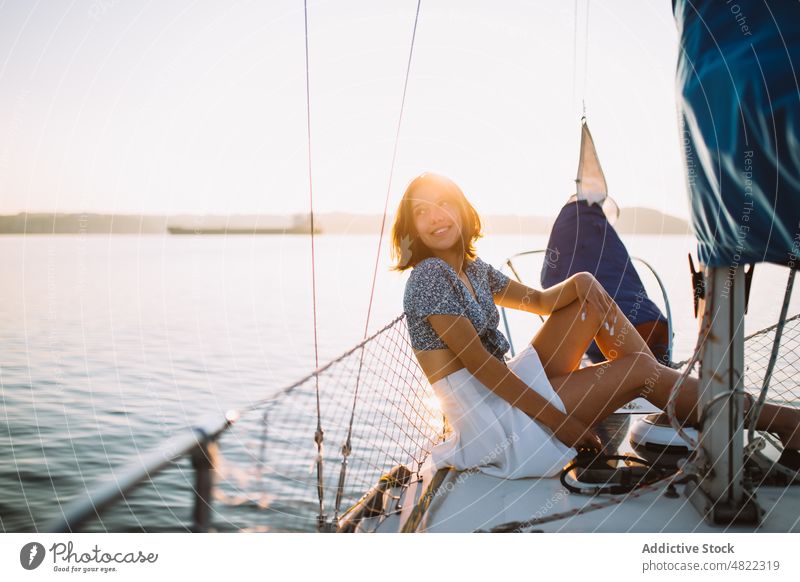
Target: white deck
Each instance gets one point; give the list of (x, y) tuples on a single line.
[(479, 501), (470, 501)]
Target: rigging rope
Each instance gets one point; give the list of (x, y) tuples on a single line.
[(318, 434), (575, 54), (574, 50), (347, 446), (585, 58), (702, 334), (518, 526)]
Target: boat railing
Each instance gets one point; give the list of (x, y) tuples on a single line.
[(198, 442)]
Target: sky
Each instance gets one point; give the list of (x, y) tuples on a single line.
[(178, 106)]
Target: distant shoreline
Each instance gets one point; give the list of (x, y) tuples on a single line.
[(239, 231), (631, 221)]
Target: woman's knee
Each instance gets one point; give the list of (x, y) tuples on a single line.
[(649, 372), (642, 365)]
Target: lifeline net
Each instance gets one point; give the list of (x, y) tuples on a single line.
[(784, 386), (396, 421)]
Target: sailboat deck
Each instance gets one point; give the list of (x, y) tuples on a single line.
[(481, 502), (470, 501)]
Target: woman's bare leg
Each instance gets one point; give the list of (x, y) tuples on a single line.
[(594, 392), (781, 419), (565, 336)]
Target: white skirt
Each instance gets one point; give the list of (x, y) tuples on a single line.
[(493, 436)]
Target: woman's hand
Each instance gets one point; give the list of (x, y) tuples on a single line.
[(573, 433), (592, 296)]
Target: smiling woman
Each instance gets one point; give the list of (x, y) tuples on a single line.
[(521, 417), (435, 210)]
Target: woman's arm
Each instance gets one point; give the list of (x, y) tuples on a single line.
[(460, 336), (519, 296), (581, 287)]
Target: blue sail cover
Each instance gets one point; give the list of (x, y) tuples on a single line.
[(739, 101), (582, 240)]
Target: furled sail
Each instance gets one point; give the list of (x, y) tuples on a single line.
[(739, 110), (591, 182)]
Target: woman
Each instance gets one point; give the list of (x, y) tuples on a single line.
[(524, 417)]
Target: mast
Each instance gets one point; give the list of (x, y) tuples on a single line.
[(721, 494), (741, 169)]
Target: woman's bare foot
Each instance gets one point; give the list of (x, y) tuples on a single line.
[(790, 438), (780, 420)]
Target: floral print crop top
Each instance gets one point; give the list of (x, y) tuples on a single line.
[(433, 288)]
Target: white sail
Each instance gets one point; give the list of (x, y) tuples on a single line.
[(590, 182)]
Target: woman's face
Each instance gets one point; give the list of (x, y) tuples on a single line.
[(436, 217)]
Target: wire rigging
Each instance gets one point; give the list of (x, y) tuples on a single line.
[(574, 50), (585, 57), (347, 446), (318, 434), (575, 55)]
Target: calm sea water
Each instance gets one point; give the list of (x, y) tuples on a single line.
[(110, 344)]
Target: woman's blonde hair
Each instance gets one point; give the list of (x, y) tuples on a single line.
[(407, 248)]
